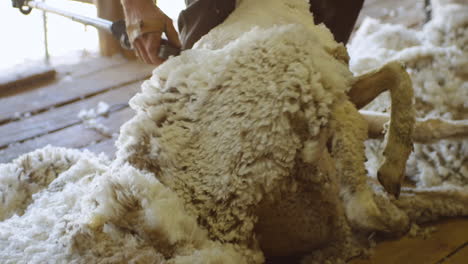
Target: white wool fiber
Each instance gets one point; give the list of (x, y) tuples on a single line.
[(90, 118), (92, 212), (50, 194), (437, 60), (21, 179)]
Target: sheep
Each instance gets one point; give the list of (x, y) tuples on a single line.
[(240, 126)]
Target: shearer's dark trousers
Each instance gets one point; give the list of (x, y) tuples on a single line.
[(201, 16)]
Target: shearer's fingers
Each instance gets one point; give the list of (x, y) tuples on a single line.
[(140, 50), (172, 34), (136, 49), (152, 42)]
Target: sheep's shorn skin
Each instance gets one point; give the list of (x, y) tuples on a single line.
[(243, 148)]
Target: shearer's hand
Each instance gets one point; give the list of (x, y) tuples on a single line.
[(145, 24)]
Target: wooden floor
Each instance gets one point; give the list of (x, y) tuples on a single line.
[(47, 113)]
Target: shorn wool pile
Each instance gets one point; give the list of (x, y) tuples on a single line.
[(225, 161), (437, 60)]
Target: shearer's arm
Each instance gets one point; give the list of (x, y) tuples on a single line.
[(338, 15), (145, 24)]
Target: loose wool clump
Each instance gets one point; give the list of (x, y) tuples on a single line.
[(68, 206), (437, 60)]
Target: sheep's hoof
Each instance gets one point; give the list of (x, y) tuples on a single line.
[(363, 213), (390, 180), (373, 213)]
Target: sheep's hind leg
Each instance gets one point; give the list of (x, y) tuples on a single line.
[(362, 211), (399, 143), (425, 130), (429, 204)]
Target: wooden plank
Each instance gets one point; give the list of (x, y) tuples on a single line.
[(450, 234), (89, 66), (27, 77), (107, 147), (64, 72), (63, 116), (69, 91), (77, 136), (22, 77), (460, 257)]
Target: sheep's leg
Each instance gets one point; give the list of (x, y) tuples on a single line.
[(425, 131), (399, 143), (367, 87), (430, 130), (428, 204), (347, 149)]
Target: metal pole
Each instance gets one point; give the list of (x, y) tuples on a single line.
[(46, 38), (92, 21), (165, 51)]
